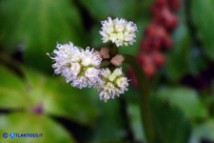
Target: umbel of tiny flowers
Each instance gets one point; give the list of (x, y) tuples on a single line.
[(78, 66), (112, 84), (118, 31)]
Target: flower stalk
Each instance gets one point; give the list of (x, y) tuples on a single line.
[(144, 99)]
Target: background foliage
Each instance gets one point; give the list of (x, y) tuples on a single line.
[(33, 99)]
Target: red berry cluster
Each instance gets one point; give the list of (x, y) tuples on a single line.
[(157, 35)]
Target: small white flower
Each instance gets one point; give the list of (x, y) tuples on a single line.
[(63, 56), (78, 66), (118, 31), (112, 84), (90, 72), (90, 58), (104, 95), (75, 68), (122, 82)]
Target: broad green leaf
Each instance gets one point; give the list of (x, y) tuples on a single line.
[(60, 98), (203, 131), (184, 99), (21, 123), (37, 26), (170, 123), (117, 8), (12, 91), (110, 126), (130, 9), (203, 18), (184, 57), (51, 95)]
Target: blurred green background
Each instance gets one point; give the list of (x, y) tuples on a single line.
[(34, 100)]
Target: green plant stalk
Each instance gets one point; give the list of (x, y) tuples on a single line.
[(144, 99)]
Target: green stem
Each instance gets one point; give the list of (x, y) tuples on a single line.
[(144, 99)]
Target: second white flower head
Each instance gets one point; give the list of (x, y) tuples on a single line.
[(76, 65), (118, 31), (112, 84)]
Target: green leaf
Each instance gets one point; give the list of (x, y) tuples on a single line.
[(110, 124), (184, 57), (51, 95), (184, 99), (171, 124), (117, 8), (60, 98), (21, 123), (37, 26), (176, 60), (204, 20), (11, 89), (203, 131)]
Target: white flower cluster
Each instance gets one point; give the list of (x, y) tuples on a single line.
[(112, 84), (118, 31), (78, 66), (82, 69)]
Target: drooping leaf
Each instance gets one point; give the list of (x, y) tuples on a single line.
[(184, 99), (21, 123), (50, 95), (202, 12), (60, 98), (37, 26), (12, 91)]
